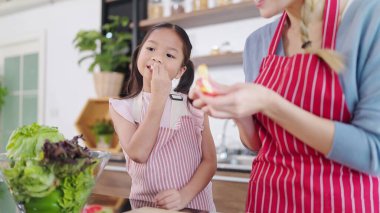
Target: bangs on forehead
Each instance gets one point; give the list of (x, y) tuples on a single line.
[(170, 45)]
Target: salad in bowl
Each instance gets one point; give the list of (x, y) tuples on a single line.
[(46, 172)]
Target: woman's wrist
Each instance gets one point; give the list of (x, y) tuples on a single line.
[(243, 120), (271, 101)]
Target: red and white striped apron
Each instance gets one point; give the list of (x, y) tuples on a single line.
[(174, 158), (287, 175)]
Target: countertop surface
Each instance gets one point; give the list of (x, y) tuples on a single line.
[(123, 205), (121, 167)]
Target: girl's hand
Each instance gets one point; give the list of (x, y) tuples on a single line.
[(171, 199), (236, 101), (161, 84)]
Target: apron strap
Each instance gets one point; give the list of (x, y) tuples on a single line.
[(277, 35), (178, 108), (330, 24), (136, 108), (329, 31)]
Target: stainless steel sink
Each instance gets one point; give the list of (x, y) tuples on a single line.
[(231, 157), (236, 162)]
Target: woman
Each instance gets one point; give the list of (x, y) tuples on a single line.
[(312, 112)]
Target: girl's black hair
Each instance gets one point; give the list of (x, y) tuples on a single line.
[(134, 84)]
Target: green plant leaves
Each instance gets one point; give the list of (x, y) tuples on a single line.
[(114, 50), (3, 93)]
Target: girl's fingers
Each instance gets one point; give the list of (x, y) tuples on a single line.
[(168, 200), (155, 69), (162, 195)]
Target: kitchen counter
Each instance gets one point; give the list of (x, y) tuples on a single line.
[(229, 186), (120, 204), (120, 167)]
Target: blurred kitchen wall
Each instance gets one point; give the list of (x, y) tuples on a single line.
[(67, 86)]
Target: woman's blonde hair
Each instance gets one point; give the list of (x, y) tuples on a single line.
[(312, 11)]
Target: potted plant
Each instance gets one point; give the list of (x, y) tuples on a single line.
[(104, 131), (3, 93), (108, 51)]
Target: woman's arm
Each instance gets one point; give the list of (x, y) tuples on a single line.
[(331, 138), (248, 99), (138, 142), (313, 130), (176, 200), (248, 133)]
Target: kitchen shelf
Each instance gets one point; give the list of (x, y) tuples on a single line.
[(111, 1), (93, 111), (219, 60), (215, 15)]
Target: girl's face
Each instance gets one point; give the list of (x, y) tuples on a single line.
[(165, 47), (269, 8)]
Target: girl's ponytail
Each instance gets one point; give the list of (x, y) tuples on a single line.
[(186, 79), (134, 84), (311, 12)]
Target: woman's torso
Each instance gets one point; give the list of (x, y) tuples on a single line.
[(289, 176)]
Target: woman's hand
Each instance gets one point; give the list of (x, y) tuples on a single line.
[(161, 83), (236, 101), (171, 199)]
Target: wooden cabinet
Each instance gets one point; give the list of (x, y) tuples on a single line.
[(230, 194), (114, 183)]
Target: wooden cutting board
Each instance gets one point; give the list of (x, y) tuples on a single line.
[(150, 210)]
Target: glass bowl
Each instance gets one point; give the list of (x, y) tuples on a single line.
[(37, 187)]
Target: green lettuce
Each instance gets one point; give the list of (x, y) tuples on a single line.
[(76, 189), (48, 173), (29, 179), (26, 142)]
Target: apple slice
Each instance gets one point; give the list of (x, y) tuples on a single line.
[(203, 83)]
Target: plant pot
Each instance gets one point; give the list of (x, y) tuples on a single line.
[(104, 141), (108, 84)]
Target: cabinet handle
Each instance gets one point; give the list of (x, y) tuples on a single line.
[(231, 179)]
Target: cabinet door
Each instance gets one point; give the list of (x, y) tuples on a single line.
[(230, 195), (21, 78)]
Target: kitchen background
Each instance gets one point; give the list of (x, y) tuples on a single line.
[(39, 69), (61, 87)]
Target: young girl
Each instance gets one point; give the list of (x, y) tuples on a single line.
[(316, 129), (167, 143)]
